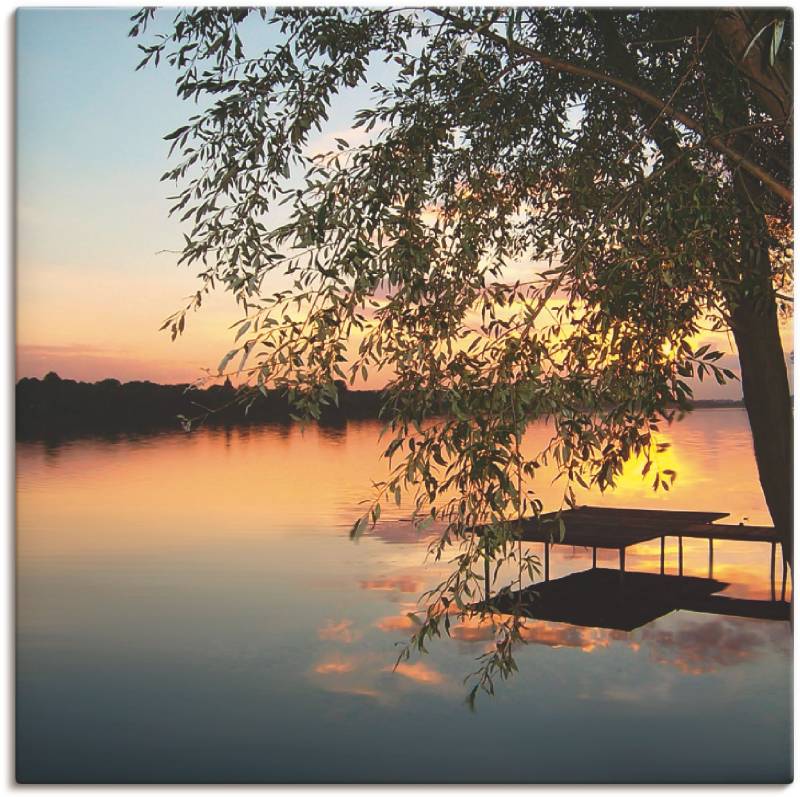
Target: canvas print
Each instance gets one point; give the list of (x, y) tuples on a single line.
[(404, 395)]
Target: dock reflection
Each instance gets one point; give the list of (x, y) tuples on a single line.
[(597, 598)]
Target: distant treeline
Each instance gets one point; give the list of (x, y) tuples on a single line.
[(53, 407)]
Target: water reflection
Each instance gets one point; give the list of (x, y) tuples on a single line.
[(698, 646), (190, 608)]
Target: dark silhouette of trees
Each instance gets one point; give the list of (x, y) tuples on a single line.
[(55, 407)]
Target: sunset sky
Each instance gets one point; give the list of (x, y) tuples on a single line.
[(92, 215)]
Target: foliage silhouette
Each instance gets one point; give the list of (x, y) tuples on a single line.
[(536, 214)]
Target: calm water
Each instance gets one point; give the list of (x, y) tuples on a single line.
[(191, 609)]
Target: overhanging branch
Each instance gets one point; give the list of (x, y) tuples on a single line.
[(714, 142)]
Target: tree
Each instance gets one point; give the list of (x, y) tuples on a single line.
[(537, 214)]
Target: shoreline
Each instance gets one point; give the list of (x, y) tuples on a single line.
[(53, 408)]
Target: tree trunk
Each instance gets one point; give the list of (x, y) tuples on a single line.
[(752, 306), (751, 303), (765, 388), (742, 31)]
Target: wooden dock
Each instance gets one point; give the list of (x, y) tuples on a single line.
[(619, 529)]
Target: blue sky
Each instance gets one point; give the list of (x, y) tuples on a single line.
[(91, 210)]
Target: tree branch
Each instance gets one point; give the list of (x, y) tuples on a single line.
[(714, 142)]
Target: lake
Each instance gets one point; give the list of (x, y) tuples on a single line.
[(190, 609)]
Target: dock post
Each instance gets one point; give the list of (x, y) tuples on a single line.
[(621, 565), (772, 569), (662, 555), (594, 558), (486, 570), (711, 557), (547, 561), (680, 556), (783, 582)]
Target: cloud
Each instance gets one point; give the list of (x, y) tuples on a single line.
[(86, 362)]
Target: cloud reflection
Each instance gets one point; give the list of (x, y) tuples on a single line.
[(398, 622), (710, 645), (419, 672), (407, 584), (339, 632), (335, 666)]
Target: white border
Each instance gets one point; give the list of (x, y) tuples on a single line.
[(7, 496)]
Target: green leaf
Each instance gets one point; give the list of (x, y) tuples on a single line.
[(225, 360), (777, 36), (358, 528), (180, 131), (242, 330)]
